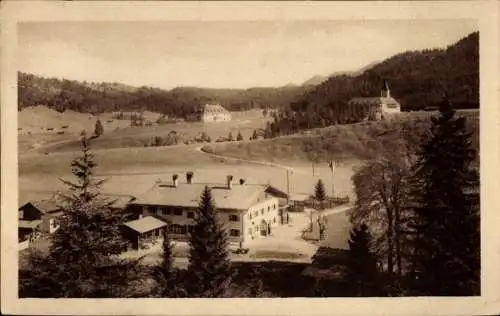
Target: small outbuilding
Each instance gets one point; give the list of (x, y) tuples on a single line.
[(145, 230)]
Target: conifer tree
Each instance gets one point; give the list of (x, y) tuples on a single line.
[(82, 258), (447, 240), (230, 137), (239, 137), (166, 274), (319, 191), (254, 135), (209, 270), (362, 266), (98, 129)]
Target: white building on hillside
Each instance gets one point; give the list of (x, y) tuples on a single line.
[(215, 113), (378, 107)]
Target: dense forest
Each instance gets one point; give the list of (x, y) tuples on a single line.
[(63, 94), (418, 80)]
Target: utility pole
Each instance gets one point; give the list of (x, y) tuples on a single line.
[(333, 164)]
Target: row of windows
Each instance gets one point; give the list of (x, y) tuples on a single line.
[(256, 213), (184, 229), (257, 228), (179, 212)]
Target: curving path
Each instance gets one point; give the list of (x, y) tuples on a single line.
[(258, 162)]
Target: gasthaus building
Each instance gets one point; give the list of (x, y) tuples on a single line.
[(247, 211)]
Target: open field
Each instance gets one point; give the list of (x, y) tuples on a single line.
[(118, 133), (344, 142)]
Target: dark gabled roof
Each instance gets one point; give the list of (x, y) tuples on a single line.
[(44, 206)]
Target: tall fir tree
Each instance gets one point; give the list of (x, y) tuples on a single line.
[(239, 137), (98, 129), (209, 270), (362, 271), (319, 191), (165, 273), (446, 258), (82, 259)]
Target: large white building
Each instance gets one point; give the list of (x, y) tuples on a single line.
[(378, 107), (214, 113), (247, 211)]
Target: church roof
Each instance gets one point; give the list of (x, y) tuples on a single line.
[(374, 101), (214, 108)]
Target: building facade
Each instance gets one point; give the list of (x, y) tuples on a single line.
[(377, 108), (247, 211), (215, 113)]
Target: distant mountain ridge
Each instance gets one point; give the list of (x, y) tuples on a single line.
[(417, 79)]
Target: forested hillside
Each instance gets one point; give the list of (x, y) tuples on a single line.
[(418, 80), (62, 94)]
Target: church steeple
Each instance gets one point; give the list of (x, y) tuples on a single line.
[(386, 92)]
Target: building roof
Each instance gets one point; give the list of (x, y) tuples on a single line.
[(374, 101), (44, 206), (240, 196), (145, 224), (214, 108), (29, 224), (120, 200)]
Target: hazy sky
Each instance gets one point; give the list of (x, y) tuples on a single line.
[(221, 54)]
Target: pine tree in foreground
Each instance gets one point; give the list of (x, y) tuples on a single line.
[(82, 259), (447, 241), (166, 274), (209, 270), (362, 270)]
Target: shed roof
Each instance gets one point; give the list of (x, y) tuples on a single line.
[(145, 224), (239, 197), (44, 206), (29, 224)]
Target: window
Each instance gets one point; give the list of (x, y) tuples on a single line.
[(250, 215), (190, 215), (164, 211), (190, 228), (178, 229), (178, 212), (151, 209), (274, 206), (233, 218), (268, 209), (234, 232), (256, 213), (274, 220), (261, 211)]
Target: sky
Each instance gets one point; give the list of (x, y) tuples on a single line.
[(220, 54)]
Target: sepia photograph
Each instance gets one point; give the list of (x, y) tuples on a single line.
[(248, 158)]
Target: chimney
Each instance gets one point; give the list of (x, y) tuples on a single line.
[(242, 181), (229, 181), (189, 177), (175, 180)]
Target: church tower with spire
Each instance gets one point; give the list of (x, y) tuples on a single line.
[(386, 92)]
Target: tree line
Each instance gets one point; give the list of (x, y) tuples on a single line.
[(418, 81), (416, 217), (182, 102)]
